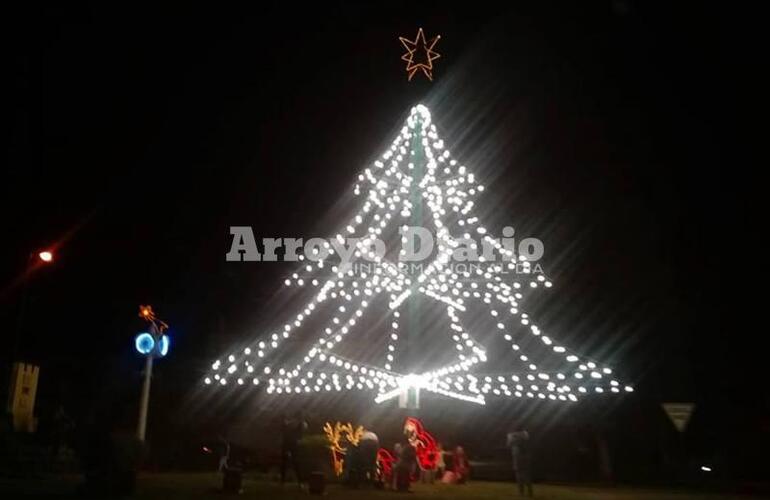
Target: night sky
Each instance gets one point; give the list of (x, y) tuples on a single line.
[(613, 131)]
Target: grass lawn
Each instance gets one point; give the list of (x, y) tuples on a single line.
[(205, 485)]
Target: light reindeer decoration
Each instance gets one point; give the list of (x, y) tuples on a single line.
[(338, 435)]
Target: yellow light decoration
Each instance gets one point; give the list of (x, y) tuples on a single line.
[(420, 45), (335, 434)]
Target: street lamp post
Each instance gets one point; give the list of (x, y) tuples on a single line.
[(34, 261), (144, 400), (22, 377), (150, 344)]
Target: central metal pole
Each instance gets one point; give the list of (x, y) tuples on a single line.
[(145, 399), (414, 306)]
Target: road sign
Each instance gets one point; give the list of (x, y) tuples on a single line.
[(679, 413)]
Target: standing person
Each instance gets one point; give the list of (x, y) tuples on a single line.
[(449, 477), (428, 474), (462, 468), (291, 435), (224, 457), (440, 462), (368, 446), (522, 460), (404, 466), (397, 450)]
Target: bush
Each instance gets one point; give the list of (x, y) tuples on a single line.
[(110, 464), (316, 456)]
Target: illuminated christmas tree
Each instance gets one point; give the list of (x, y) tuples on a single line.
[(452, 323)]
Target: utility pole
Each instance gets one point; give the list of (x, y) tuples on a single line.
[(152, 344), (144, 402)]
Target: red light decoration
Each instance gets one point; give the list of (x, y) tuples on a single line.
[(423, 442), (385, 461)]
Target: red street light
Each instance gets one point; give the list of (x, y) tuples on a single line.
[(46, 256)]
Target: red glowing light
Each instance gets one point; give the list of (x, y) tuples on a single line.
[(424, 443)]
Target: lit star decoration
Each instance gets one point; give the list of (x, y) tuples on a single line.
[(423, 52), (536, 365)]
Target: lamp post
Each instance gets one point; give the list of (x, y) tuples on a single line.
[(151, 344), (22, 377), (34, 261)]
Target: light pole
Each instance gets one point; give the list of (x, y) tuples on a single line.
[(22, 377), (34, 261), (150, 344)]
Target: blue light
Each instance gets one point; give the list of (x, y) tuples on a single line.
[(145, 343), (163, 345)]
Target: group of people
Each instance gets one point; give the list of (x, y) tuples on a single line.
[(360, 463), (458, 470), (449, 467), (411, 460)]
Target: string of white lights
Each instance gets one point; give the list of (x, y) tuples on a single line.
[(449, 191)]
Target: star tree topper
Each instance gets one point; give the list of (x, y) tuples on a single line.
[(421, 51)]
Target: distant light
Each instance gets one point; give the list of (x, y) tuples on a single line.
[(46, 256), (145, 343), (705, 468)]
